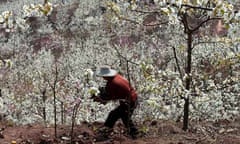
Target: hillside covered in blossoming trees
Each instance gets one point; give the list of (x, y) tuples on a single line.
[(182, 56)]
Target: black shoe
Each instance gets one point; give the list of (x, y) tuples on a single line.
[(105, 130), (134, 134), (100, 138), (103, 134)]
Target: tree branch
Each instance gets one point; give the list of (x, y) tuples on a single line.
[(197, 7), (119, 54), (176, 59)]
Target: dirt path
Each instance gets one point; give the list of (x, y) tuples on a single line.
[(154, 132)]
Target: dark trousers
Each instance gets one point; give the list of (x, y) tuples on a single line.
[(123, 111)]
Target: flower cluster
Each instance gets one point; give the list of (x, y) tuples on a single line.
[(7, 63), (37, 10), (6, 20)]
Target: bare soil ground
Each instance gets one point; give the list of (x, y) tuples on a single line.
[(152, 132)]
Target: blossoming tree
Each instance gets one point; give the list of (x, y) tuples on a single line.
[(186, 16)]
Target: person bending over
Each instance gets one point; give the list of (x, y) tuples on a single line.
[(117, 88)]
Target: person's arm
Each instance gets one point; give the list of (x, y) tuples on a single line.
[(102, 97), (104, 94), (99, 99)]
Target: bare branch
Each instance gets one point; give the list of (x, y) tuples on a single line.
[(201, 23), (197, 7), (176, 59), (121, 56)]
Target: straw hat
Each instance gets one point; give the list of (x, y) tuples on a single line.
[(106, 71)]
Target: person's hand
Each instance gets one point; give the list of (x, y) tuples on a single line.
[(98, 99)]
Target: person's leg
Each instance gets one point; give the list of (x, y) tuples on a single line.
[(113, 116), (126, 114), (105, 131)]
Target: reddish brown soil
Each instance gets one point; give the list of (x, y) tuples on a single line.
[(152, 132)]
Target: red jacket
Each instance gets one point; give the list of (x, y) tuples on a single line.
[(119, 88)]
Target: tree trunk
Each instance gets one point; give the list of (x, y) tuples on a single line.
[(44, 105), (55, 113), (188, 80)]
